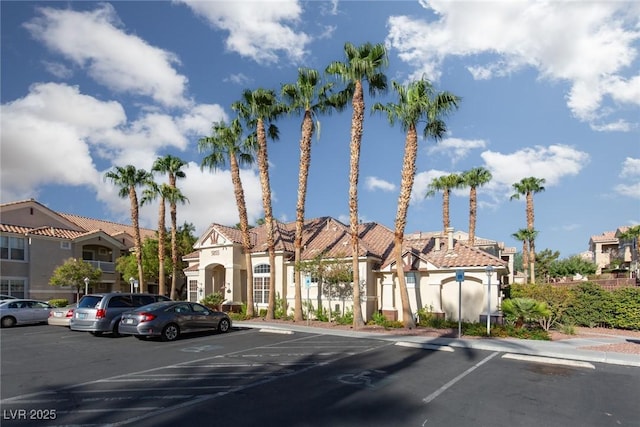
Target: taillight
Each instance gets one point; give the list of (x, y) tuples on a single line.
[(146, 317), (100, 313), (69, 313)]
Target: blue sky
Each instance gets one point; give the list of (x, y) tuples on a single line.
[(549, 89)]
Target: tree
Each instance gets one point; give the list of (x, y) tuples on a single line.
[(171, 166), (259, 108), (524, 310), (473, 179), (544, 260), (310, 97), (525, 235), (445, 183), (224, 145), (126, 179), (73, 272), (528, 187), (571, 266), (418, 101), (362, 63), (149, 194)]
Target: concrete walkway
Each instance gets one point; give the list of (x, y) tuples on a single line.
[(569, 349)]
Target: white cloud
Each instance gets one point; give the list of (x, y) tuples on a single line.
[(372, 183), (630, 168), (456, 148), (239, 79), (120, 61), (592, 45), (630, 171), (59, 70), (551, 163), (258, 30)]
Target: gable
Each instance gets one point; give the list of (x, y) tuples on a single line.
[(32, 214)]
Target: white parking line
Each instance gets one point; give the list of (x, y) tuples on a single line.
[(549, 360), (425, 346), (442, 389)]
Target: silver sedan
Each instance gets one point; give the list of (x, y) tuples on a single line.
[(23, 311), (169, 319)]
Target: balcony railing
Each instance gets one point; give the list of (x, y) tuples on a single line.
[(106, 267)]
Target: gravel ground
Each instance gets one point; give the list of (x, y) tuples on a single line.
[(630, 345)]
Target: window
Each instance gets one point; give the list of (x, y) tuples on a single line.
[(193, 290), (13, 287), (12, 248), (261, 282), (410, 279), (65, 245)]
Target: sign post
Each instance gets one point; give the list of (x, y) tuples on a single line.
[(460, 279), (307, 284)]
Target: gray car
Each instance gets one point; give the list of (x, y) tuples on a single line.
[(100, 313), (168, 320), (23, 311)]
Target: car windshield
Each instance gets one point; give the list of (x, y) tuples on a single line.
[(89, 301)]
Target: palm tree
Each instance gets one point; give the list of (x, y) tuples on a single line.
[(149, 194), (445, 183), (528, 187), (362, 63), (171, 166), (258, 108), (525, 236), (310, 97), (224, 144), (473, 179), (127, 178), (418, 101)]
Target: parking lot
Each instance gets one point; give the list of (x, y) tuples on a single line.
[(52, 377)]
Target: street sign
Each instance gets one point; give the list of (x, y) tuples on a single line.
[(307, 281), (459, 275)]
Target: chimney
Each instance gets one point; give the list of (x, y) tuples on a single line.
[(449, 239), (437, 243)]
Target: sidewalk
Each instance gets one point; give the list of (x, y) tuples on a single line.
[(569, 349)]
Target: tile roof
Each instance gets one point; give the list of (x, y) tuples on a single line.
[(111, 228), (607, 236)]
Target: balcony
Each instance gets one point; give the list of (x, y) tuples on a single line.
[(106, 267)]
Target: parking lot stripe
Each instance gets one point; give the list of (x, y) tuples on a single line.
[(549, 360)]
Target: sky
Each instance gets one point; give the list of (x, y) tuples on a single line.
[(548, 89)]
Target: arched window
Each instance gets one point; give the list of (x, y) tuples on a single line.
[(261, 280)]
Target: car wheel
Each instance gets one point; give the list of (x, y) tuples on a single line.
[(114, 331), (96, 334), (8, 322), (224, 325), (170, 332)]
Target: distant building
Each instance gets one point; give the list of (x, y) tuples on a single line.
[(607, 248), (35, 240), (430, 262), (604, 248)]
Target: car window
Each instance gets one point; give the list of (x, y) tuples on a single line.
[(14, 305), (199, 308), (140, 300), (162, 298), (120, 301), (38, 304), (89, 301), (182, 308)]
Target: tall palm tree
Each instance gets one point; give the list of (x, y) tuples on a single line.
[(258, 108), (225, 144), (310, 97), (445, 183), (152, 192), (171, 166), (362, 63), (525, 236), (174, 196), (474, 178), (416, 102), (127, 178), (528, 187)]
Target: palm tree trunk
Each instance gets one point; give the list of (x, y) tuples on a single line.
[(473, 212), (161, 247), (133, 198), (263, 167), (244, 229), (530, 226), (406, 185), (174, 251), (303, 176), (525, 261), (357, 123), (446, 193)]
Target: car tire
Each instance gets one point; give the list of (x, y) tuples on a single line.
[(224, 325), (114, 331), (8, 322), (171, 332)]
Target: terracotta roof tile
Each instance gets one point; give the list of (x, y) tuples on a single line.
[(111, 228)]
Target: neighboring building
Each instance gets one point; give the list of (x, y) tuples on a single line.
[(604, 248), (628, 253), (607, 248), (35, 240), (431, 261)]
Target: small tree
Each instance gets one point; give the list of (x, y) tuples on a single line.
[(523, 311), (73, 272)]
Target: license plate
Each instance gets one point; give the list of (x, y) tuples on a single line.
[(82, 315), (128, 321), (57, 314)]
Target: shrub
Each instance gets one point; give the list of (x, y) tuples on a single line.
[(589, 307), (522, 311), (213, 300), (59, 302), (346, 318), (625, 308), (557, 298)]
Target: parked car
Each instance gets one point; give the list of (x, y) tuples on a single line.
[(60, 316), (4, 297), (100, 313), (23, 311), (169, 319)]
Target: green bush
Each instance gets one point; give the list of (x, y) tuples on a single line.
[(557, 298), (59, 302), (213, 300), (346, 318), (522, 311), (625, 308), (590, 306)]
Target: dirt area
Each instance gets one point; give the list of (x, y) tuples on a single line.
[(631, 344)]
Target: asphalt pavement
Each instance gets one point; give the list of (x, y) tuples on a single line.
[(568, 349)]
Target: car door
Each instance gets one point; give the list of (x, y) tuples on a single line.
[(203, 317), (183, 316), (20, 310), (38, 311)]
